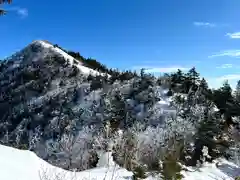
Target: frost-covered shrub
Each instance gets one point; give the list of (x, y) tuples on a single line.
[(171, 167), (235, 146), (151, 144), (237, 178), (74, 151), (124, 151)]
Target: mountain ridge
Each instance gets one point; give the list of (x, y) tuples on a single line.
[(45, 93), (51, 103)]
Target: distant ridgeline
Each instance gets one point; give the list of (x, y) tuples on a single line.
[(94, 64)]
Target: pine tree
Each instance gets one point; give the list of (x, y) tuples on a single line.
[(222, 96), (208, 130), (237, 92), (203, 84), (115, 111), (192, 78), (2, 11)]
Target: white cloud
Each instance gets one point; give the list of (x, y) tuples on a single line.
[(235, 35), (224, 66), (230, 53), (204, 24), (216, 82), (22, 12), (229, 77), (149, 69)]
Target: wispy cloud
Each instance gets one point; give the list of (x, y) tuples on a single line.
[(235, 35), (209, 24), (150, 69), (229, 77), (231, 53), (22, 12), (225, 66), (216, 82), (204, 24)]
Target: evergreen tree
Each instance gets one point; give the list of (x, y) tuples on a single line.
[(209, 134), (224, 100), (2, 11), (222, 95), (177, 78), (203, 84), (192, 79), (193, 75), (115, 110), (237, 92)]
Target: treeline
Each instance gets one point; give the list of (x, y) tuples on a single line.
[(226, 100), (94, 64)]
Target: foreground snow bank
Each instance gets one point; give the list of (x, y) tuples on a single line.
[(24, 165), (225, 171)]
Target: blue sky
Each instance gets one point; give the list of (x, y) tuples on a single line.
[(160, 35)]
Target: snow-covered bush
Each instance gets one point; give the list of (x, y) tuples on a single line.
[(235, 148), (171, 167), (150, 144), (74, 151)]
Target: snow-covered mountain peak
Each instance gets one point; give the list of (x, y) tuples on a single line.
[(39, 49), (41, 42)]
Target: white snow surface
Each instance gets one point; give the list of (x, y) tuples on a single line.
[(225, 171), (25, 165), (79, 65)]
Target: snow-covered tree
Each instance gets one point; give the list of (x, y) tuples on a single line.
[(75, 151)]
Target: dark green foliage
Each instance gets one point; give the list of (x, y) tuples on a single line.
[(60, 60), (139, 172), (209, 134), (238, 92), (97, 83), (75, 71), (237, 178), (117, 112), (90, 77), (170, 93), (154, 166), (225, 102), (171, 168), (94, 64), (203, 84), (93, 160)]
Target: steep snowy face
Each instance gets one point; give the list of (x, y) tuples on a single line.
[(72, 61), (38, 84), (40, 49)]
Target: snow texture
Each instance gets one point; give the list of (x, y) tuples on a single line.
[(225, 171), (83, 69), (25, 165)]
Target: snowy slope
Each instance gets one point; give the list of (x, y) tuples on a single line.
[(24, 165), (225, 171), (83, 69)]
